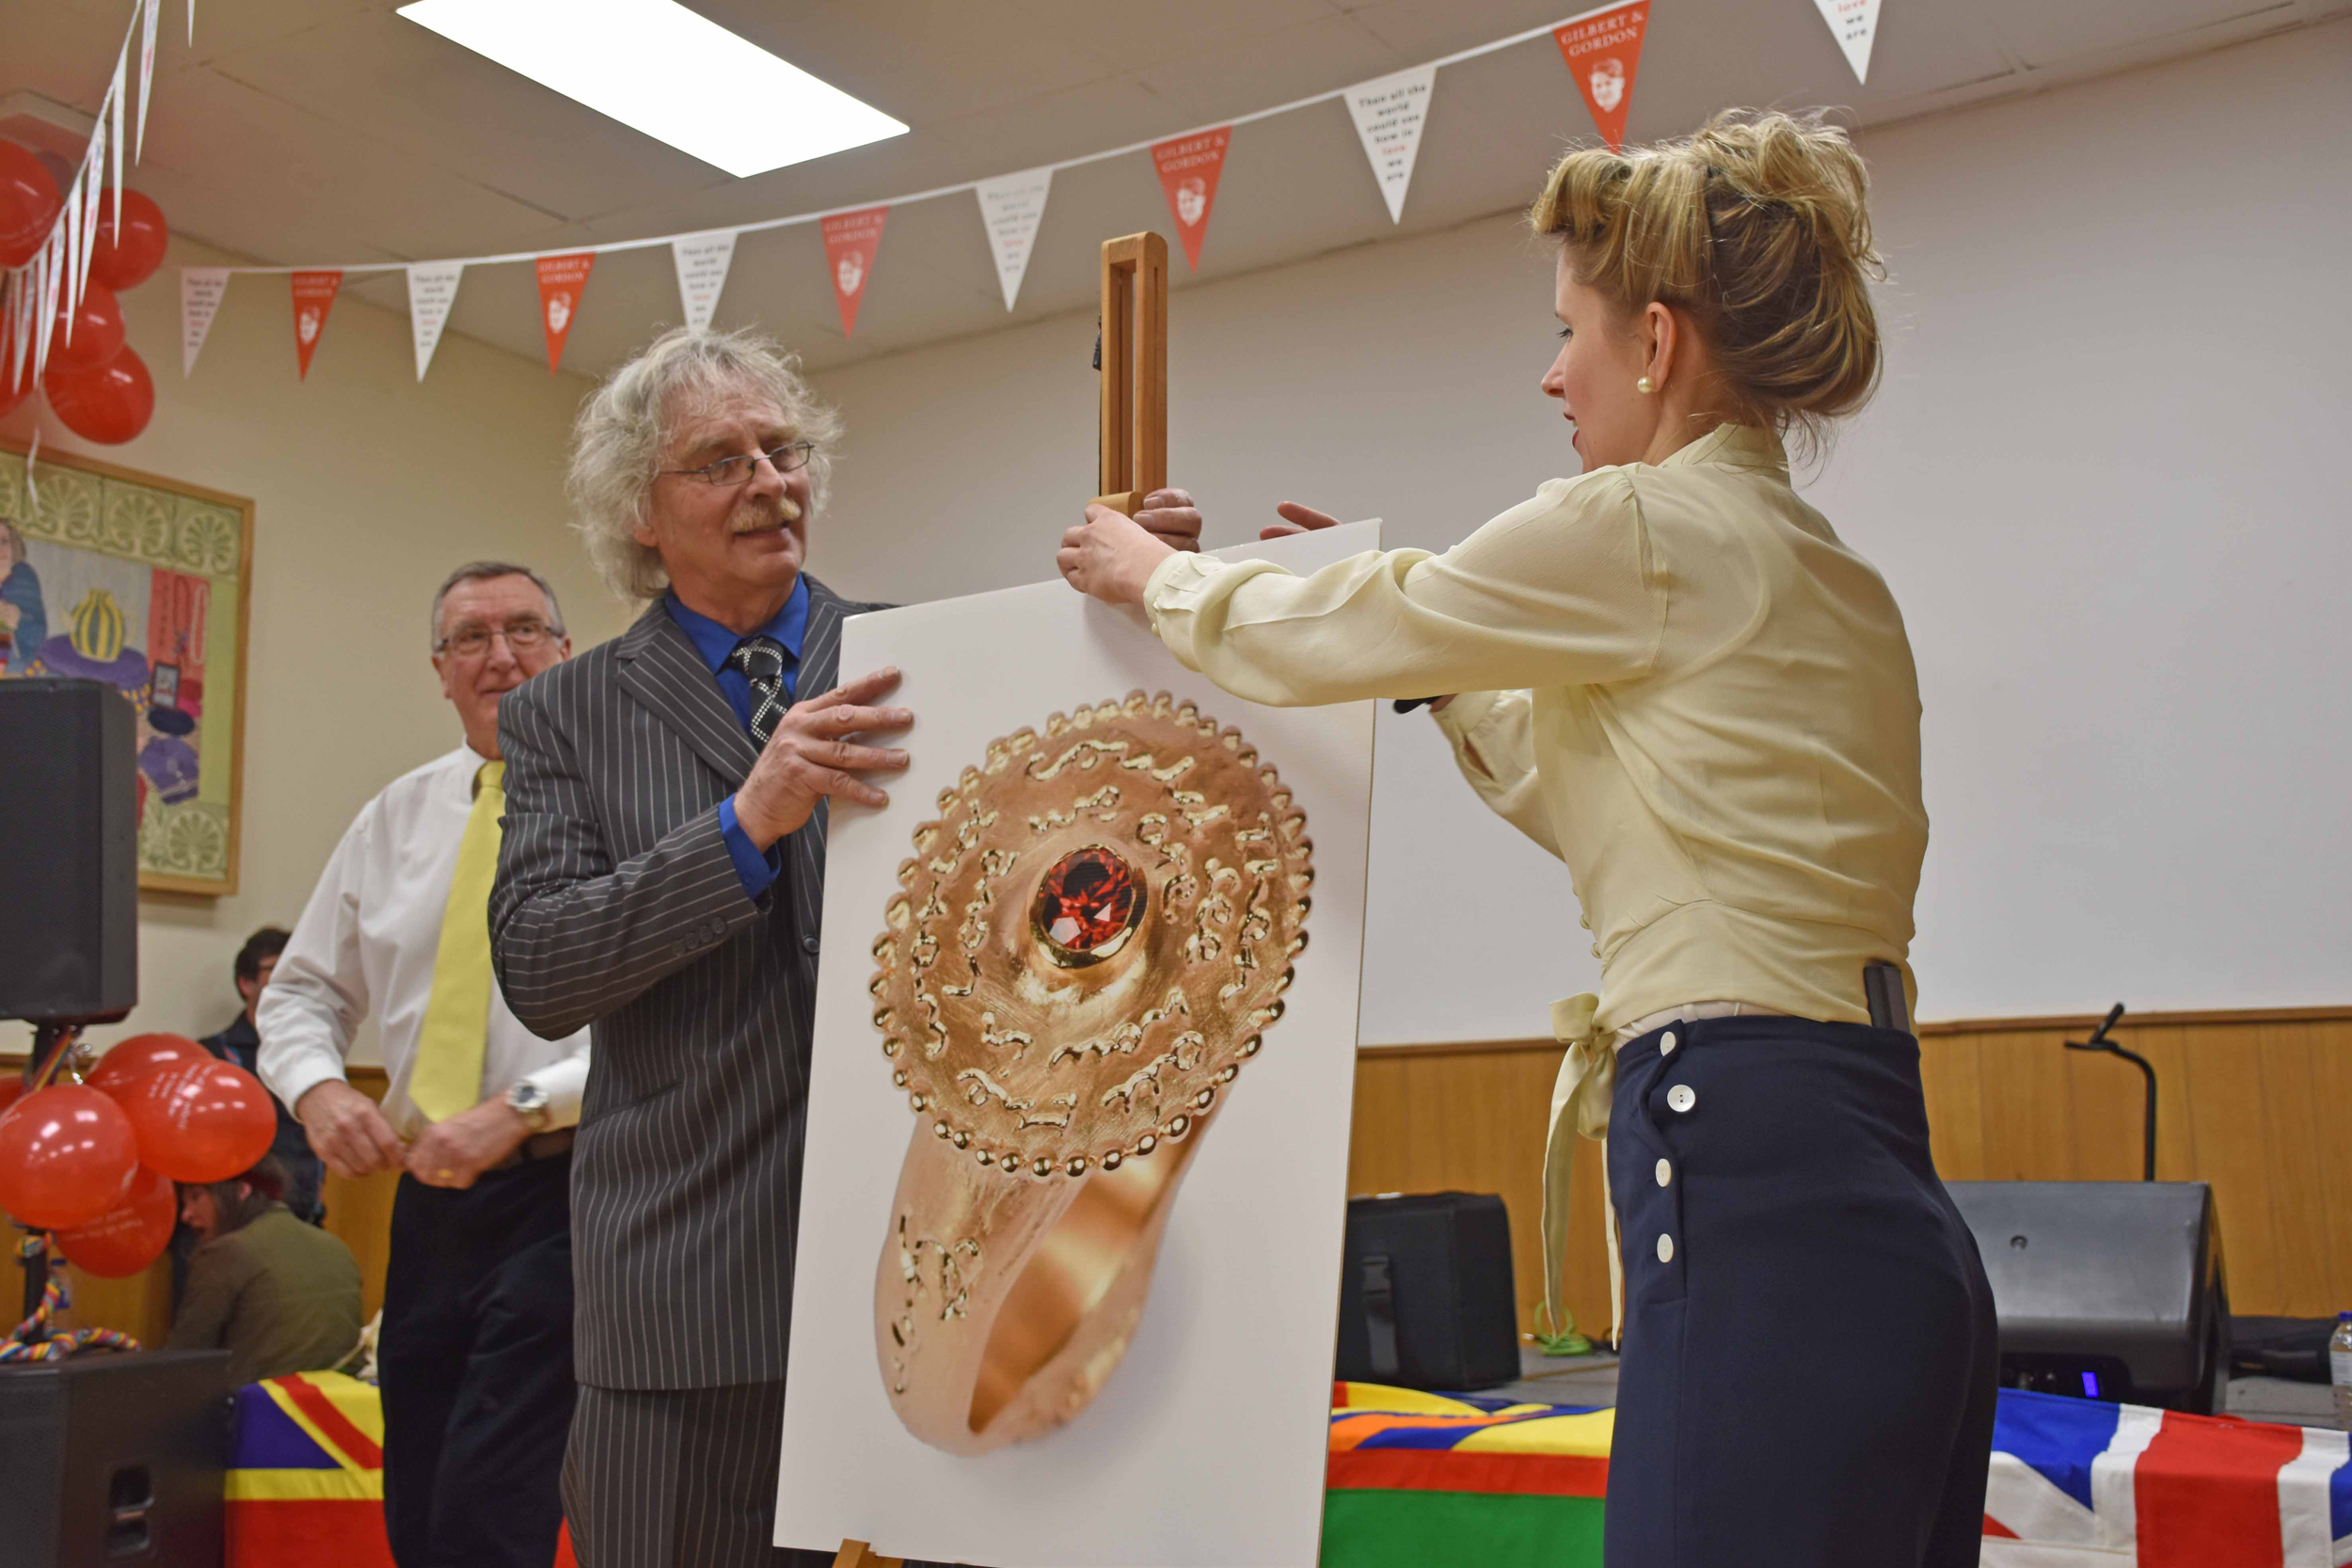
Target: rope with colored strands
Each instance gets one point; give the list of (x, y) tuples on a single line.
[(31, 1341)]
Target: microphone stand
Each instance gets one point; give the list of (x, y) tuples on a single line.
[(2098, 1041)]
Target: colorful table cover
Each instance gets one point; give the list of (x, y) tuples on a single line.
[(1427, 1478), (1419, 1479)]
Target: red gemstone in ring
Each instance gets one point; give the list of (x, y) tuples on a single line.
[(1087, 907)]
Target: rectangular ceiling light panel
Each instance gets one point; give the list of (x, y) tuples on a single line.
[(659, 67)]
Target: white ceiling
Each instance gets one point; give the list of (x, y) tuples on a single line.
[(334, 131)]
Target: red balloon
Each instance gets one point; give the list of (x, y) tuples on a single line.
[(29, 204), (201, 1121), (129, 1236), (128, 259), (109, 404), (12, 1090), (66, 1156), (97, 331), (128, 1061)]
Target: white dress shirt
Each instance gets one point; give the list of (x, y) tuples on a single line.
[(366, 944)]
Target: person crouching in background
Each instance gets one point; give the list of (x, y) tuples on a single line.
[(278, 1295)]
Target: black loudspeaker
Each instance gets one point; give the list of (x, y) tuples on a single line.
[(2106, 1289), (113, 1461), (1425, 1293), (69, 852)]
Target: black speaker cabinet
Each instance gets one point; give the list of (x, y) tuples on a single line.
[(1425, 1293), (69, 852), (2106, 1289), (113, 1461)]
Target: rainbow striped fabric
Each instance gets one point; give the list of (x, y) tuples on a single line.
[(305, 1479), (1416, 1479)]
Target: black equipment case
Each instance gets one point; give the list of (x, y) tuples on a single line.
[(1427, 1299)]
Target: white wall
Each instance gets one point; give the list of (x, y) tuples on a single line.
[(2095, 480), (368, 489)]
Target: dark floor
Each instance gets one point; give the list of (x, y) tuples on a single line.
[(1591, 1380)]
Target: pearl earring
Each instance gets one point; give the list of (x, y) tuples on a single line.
[(1644, 385)]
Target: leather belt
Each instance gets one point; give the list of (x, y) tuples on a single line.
[(539, 1145)]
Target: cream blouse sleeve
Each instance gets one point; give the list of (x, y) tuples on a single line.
[(1493, 738), (1562, 590)]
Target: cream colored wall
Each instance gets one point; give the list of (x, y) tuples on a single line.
[(2100, 480), (367, 489)]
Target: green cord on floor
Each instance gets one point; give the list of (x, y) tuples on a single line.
[(1564, 1341)]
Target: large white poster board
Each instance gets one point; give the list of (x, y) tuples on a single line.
[(1204, 1443)]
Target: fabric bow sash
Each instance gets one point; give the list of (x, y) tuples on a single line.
[(1580, 1095)]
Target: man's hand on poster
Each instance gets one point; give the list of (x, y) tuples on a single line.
[(1170, 516), (810, 757), (453, 1153), (347, 1131)]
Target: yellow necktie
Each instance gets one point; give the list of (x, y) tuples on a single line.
[(447, 1078)]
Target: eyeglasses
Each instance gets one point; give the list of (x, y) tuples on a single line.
[(731, 472), (472, 641)]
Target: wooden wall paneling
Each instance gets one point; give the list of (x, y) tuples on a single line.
[(2256, 1103), (1950, 1077), (2331, 1107), (2228, 1112), (2299, 1210)]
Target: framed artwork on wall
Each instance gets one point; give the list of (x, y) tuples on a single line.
[(145, 584)]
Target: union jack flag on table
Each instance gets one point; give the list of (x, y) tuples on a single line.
[(2080, 1484)]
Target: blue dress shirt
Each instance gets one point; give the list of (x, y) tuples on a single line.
[(716, 644)]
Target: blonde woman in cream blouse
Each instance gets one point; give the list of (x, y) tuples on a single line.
[(1672, 674)]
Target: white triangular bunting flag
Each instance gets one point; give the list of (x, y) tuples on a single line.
[(21, 331), (147, 71), (432, 293), (1389, 113), (115, 93), (191, 23), (89, 214), (32, 455), (1012, 207), (1854, 24), (200, 292), (73, 227), (701, 262), (51, 263)]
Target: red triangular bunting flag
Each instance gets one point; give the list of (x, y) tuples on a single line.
[(1189, 166), (314, 296), (1603, 49), (561, 281), (850, 240)]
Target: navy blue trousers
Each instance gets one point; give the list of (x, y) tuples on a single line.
[(1809, 1363)]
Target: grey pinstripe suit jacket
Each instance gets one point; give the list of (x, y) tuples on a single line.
[(616, 905)]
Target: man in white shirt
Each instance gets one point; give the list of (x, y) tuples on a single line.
[(475, 1350)]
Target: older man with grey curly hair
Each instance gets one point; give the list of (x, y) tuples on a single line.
[(659, 880)]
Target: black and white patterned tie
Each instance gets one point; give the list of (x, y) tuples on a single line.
[(761, 659)]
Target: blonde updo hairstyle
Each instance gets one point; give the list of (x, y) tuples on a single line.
[(1757, 227)]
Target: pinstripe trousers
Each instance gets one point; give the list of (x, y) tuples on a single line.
[(677, 1478)]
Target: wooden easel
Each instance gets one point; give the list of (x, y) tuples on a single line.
[(1135, 369), (857, 1554)]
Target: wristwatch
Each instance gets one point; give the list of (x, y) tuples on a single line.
[(528, 1101)]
